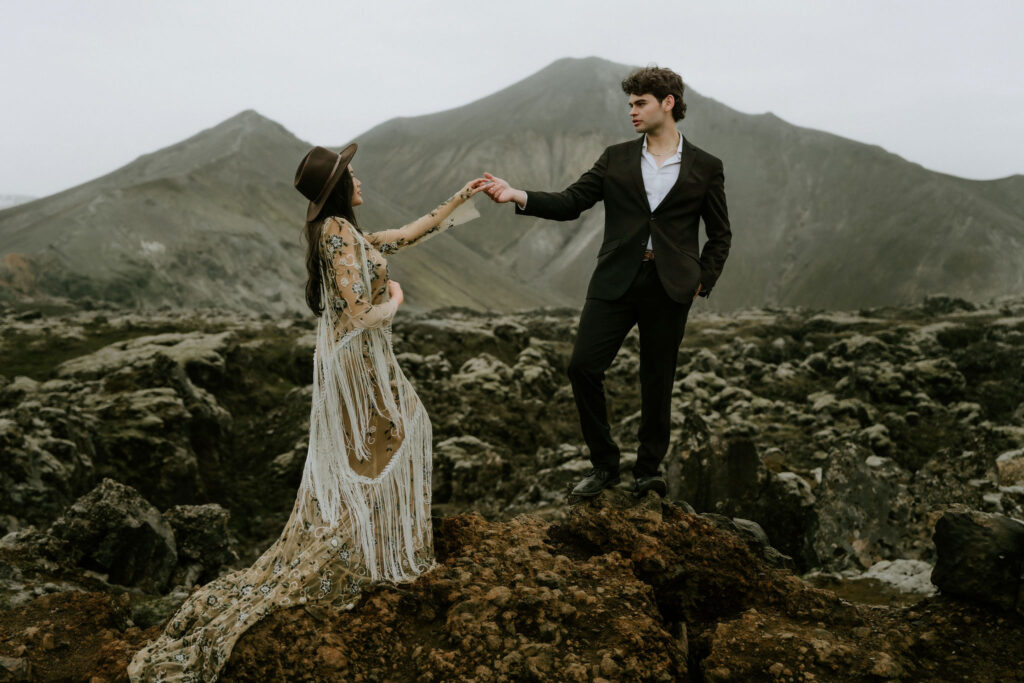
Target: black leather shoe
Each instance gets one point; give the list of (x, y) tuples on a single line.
[(641, 485), (596, 481)]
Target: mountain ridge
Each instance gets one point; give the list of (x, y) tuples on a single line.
[(212, 220), (809, 197), (819, 220)]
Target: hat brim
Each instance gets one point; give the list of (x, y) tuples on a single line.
[(344, 159)]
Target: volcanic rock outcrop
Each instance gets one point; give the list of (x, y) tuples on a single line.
[(854, 470)]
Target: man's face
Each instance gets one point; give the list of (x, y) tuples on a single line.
[(647, 113)]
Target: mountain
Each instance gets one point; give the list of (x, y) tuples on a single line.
[(206, 222), (214, 221), (818, 220)]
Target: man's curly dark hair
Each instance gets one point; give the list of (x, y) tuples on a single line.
[(659, 82)]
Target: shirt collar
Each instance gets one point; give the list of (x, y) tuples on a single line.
[(679, 147)]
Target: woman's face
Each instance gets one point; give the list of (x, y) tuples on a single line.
[(357, 194)]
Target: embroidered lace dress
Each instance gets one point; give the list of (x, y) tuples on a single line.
[(362, 513)]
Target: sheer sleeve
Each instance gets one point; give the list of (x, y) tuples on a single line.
[(452, 211), (346, 265)]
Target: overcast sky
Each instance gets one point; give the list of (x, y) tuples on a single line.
[(89, 86)]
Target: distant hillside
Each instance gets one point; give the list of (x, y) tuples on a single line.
[(818, 220), (214, 221)]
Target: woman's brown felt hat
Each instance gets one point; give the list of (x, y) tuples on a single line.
[(318, 173)]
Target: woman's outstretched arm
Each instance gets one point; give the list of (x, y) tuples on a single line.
[(425, 227)]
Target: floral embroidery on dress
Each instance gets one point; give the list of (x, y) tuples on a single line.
[(334, 242)]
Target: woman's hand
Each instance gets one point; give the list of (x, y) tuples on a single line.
[(395, 292), (473, 186)]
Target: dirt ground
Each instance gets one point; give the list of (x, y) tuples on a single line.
[(619, 592)]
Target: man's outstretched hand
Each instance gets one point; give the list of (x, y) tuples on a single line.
[(500, 191)]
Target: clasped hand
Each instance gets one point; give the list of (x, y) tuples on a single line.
[(474, 186)]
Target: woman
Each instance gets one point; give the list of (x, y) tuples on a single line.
[(362, 513)]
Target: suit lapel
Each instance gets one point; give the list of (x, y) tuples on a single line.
[(635, 159), (685, 164)]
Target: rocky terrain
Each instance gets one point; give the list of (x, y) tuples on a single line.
[(846, 497)]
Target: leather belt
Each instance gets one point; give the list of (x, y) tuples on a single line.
[(648, 255)]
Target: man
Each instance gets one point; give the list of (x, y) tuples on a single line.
[(655, 191)]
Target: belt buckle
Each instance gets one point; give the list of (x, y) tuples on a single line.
[(648, 255)]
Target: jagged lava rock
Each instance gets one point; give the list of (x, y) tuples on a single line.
[(202, 540), (980, 557), (114, 530)]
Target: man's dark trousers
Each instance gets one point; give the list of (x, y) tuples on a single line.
[(603, 326)]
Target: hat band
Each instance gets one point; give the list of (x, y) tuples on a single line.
[(323, 192)]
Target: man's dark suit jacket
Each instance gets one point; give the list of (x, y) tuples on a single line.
[(673, 225)]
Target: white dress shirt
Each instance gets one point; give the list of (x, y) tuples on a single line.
[(658, 181)]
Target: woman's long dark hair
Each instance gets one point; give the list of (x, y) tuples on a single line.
[(339, 203)]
